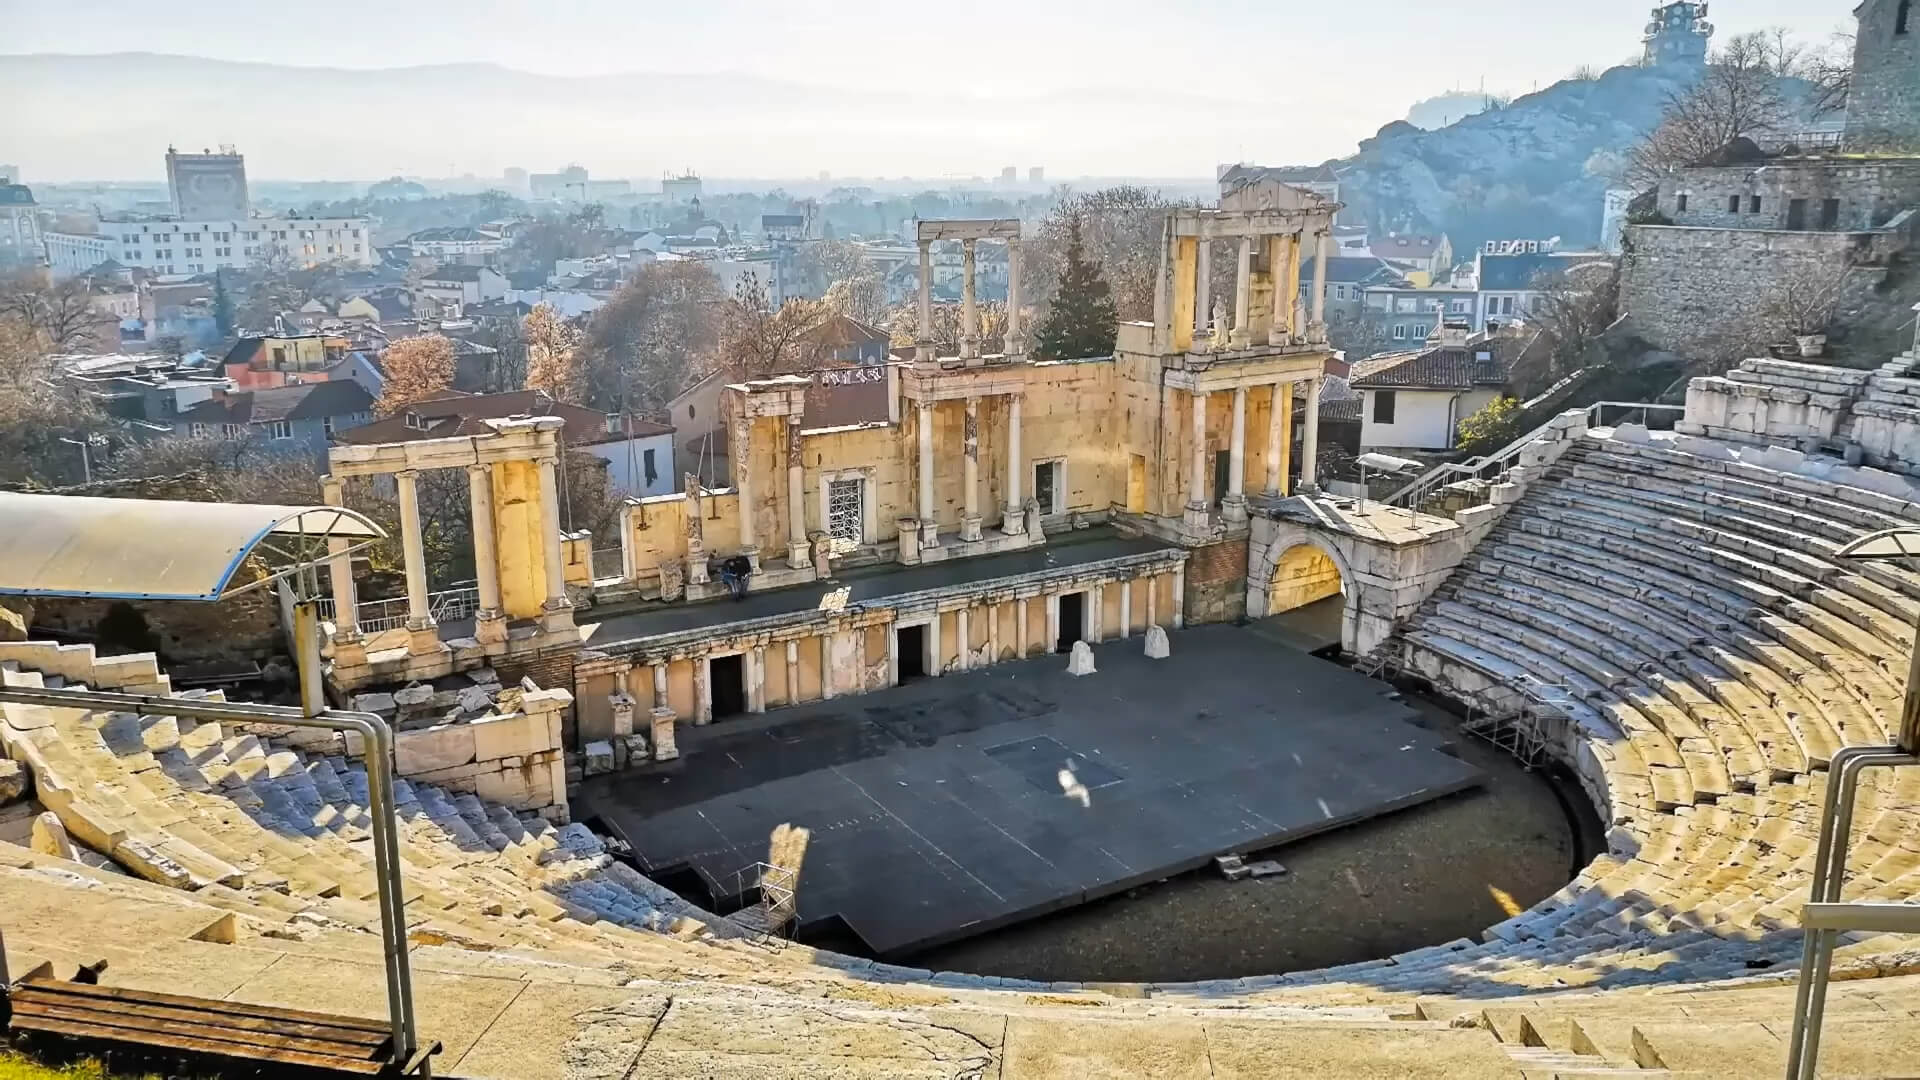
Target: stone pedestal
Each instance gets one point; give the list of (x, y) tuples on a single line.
[(753, 558), (622, 704), (1081, 660), (423, 640), (490, 627), (970, 528), (1157, 648), (663, 744), (556, 616), (1233, 508), (697, 566), (929, 534), (799, 553), (1196, 521), (349, 652)]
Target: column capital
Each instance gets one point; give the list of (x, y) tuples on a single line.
[(480, 468), (406, 474)]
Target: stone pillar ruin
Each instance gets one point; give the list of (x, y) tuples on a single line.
[(346, 608), (969, 307), (970, 473), (1242, 335), (1011, 344), (423, 635), (1203, 287), (1233, 503), (797, 546), (489, 620), (741, 451), (923, 347), (1126, 609), (1310, 439), (1317, 330), (1196, 510), (1013, 517), (696, 511), (1279, 441), (929, 534), (558, 610), (1180, 596)]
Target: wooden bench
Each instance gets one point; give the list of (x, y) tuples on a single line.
[(317, 1043)]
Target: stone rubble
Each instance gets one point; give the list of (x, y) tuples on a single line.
[(1081, 661)]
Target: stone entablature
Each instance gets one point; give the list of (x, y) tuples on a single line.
[(969, 232)]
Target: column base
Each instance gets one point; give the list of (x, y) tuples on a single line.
[(490, 627), (1013, 521), (1239, 339), (697, 569), (970, 528), (1196, 520), (929, 535), (799, 554), (423, 638), (662, 719), (753, 558), (1234, 509), (350, 652), (556, 615)]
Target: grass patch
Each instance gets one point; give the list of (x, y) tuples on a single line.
[(15, 1065)]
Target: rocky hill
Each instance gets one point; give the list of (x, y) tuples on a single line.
[(1536, 168)]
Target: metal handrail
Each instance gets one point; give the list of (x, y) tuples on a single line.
[(1410, 496), (386, 838)]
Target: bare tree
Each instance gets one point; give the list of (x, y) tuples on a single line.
[(1805, 303), (1120, 232), (37, 410), (756, 342), (1574, 308), (417, 368), (60, 312), (553, 360), (903, 324), (1830, 70), (1738, 96), (647, 342)]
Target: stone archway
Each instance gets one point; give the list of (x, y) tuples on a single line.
[(1303, 574), (1289, 566)]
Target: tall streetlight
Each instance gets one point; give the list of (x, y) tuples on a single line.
[(1824, 917)]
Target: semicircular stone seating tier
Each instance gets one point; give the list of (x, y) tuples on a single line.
[(1681, 618)]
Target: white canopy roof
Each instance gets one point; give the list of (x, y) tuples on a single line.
[(1902, 542), (154, 549)]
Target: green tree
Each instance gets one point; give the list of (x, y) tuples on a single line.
[(1082, 320), (1493, 427), (222, 305)]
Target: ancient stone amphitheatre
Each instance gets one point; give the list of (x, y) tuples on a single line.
[(1672, 604)]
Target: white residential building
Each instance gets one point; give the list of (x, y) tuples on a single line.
[(201, 247)]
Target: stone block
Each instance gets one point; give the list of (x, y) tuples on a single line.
[(1157, 647), (510, 736), (599, 758), (636, 748), (474, 699), (1081, 661), (50, 837), (374, 703), (433, 749), (413, 695), (664, 748), (15, 781)]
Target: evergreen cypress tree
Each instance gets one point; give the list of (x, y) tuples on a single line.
[(1082, 321), (222, 305)]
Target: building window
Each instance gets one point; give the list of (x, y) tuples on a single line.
[(845, 513), (1399, 331), (1050, 486), (200, 431), (279, 429), (1383, 406), (1680, 202), (1753, 204), (1733, 204), (232, 431), (646, 463), (1903, 17), (326, 425), (1420, 331)]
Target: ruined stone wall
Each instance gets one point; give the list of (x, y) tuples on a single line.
[(1700, 292), (1883, 100), (1217, 582), (516, 761), (1870, 192)]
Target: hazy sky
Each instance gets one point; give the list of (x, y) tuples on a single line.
[(1327, 74)]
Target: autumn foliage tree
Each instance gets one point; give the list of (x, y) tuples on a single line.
[(553, 355), (417, 368)]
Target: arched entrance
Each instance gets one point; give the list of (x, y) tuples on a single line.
[(1303, 575)]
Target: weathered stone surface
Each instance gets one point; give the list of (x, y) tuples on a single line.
[(599, 758), (473, 699), (1081, 662), (50, 837), (1157, 647), (636, 748), (13, 625), (15, 781), (664, 748), (413, 694)]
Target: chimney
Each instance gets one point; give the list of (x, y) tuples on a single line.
[(1454, 335)]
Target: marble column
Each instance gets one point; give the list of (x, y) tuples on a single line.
[(969, 308), (1011, 345), (1279, 445), (489, 622), (929, 533), (424, 636), (1203, 290), (1196, 510), (893, 654), (963, 639), (1180, 596), (1053, 623), (1020, 628), (1093, 622), (662, 717), (1013, 516), (1310, 440), (923, 348), (1126, 609), (756, 665), (799, 552), (793, 671), (1153, 599), (346, 607), (934, 667), (557, 605), (993, 633), (1233, 504), (703, 691), (1242, 335), (970, 474), (826, 667), (1322, 252), (741, 450)]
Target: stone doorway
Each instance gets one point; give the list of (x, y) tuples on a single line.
[(728, 678), (910, 646), (1073, 620)]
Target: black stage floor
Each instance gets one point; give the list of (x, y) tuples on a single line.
[(943, 808)]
